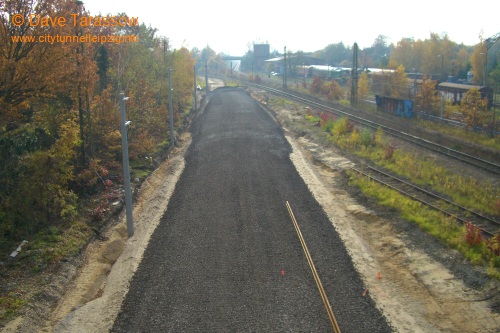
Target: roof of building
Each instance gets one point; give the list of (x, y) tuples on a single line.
[(459, 86)]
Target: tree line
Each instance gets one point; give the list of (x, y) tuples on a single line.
[(59, 112), (437, 57)]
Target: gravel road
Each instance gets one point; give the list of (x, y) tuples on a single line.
[(225, 256)]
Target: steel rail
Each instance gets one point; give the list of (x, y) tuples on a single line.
[(430, 194), (333, 320), (463, 157)]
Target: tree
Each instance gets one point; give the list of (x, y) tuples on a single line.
[(43, 196), (331, 90), (378, 54), (473, 108), (427, 99), (364, 85), (335, 54), (400, 83), (28, 67), (315, 86), (478, 62), (103, 63)]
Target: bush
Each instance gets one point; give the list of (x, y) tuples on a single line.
[(472, 235), (366, 138), (316, 85), (379, 137), (44, 197), (389, 151), (340, 128), (354, 138)]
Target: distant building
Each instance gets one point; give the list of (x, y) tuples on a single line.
[(454, 92), (296, 62)]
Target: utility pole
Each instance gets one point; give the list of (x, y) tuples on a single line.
[(354, 75), (170, 108), (79, 60), (485, 54), (194, 90), (206, 77), (284, 69), (126, 169)]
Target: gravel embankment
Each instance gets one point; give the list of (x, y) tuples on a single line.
[(216, 261)]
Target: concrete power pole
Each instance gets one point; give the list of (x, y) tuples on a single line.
[(354, 75), (284, 69), (194, 90), (126, 168), (206, 77), (170, 108)]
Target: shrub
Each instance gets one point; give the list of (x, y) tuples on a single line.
[(497, 207), (366, 138), (494, 245), (379, 137), (389, 151), (472, 234), (44, 197), (340, 128), (315, 86), (354, 138)]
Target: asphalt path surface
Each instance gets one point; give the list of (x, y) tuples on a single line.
[(226, 257)]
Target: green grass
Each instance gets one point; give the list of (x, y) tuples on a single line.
[(465, 191), (282, 102), (51, 245), (468, 192), (461, 134), (10, 304), (435, 223)]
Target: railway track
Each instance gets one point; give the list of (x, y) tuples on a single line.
[(488, 226), (434, 147)]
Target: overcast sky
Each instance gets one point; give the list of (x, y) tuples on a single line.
[(231, 26)]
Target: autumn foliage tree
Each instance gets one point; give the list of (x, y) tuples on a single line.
[(473, 108), (427, 98), (59, 112), (364, 85)]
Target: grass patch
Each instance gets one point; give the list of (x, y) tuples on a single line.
[(465, 191), (281, 102), (461, 134), (53, 244), (10, 304), (437, 224)]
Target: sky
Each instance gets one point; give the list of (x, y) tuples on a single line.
[(232, 27)]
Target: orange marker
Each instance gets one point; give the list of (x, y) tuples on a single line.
[(378, 275), (282, 272)]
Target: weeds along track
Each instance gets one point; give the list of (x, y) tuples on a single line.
[(434, 147), (488, 226)]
